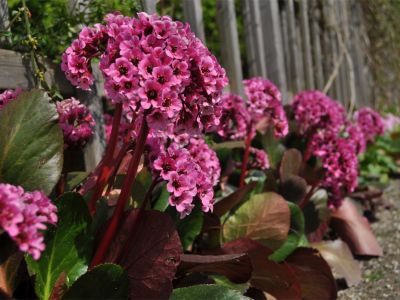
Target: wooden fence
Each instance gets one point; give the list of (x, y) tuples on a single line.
[(297, 44)]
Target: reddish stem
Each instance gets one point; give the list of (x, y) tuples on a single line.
[(123, 197), (245, 158), (108, 160)]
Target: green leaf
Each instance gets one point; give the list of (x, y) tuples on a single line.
[(107, 281), (296, 237), (68, 246), (31, 142), (264, 218), (74, 179), (222, 280), (189, 227), (141, 185), (161, 204), (206, 291)]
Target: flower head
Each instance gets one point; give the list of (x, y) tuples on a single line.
[(155, 64), (314, 110), (23, 215), (9, 95), (264, 103), (76, 122), (370, 122)]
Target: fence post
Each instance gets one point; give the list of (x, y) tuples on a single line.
[(273, 45), (254, 38), (293, 47), (193, 13), (305, 35), (226, 18), (150, 6), (316, 43)]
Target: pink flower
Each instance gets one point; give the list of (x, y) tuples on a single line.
[(314, 110), (76, 122), (264, 104), (23, 216), (8, 96), (370, 122), (155, 62)]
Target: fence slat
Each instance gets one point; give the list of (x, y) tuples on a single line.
[(4, 20), (316, 43), (150, 6), (294, 47), (305, 35), (254, 38), (193, 13), (226, 18), (273, 45)]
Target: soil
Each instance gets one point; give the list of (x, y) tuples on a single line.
[(381, 276)]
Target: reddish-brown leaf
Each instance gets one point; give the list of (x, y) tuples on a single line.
[(236, 267), (355, 230), (148, 247), (290, 164), (276, 279), (314, 274)]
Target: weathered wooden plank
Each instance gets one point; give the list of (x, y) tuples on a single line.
[(4, 20), (193, 13), (95, 148), (150, 6), (293, 47), (299, 57), (286, 54), (316, 45), (306, 45), (254, 38), (16, 72), (226, 18), (273, 45), (341, 17)]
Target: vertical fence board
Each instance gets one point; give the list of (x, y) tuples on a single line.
[(316, 44), (254, 38), (230, 44), (286, 54), (150, 6), (293, 47), (305, 35), (273, 45), (193, 13)]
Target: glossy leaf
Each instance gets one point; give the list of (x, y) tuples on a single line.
[(296, 235), (314, 274), (236, 267), (338, 255), (264, 218), (10, 260), (355, 230), (31, 142), (227, 203), (68, 246), (147, 246), (276, 279), (293, 188), (207, 291), (106, 281), (316, 211), (190, 227)]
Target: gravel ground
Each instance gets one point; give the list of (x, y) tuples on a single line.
[(381, 276)]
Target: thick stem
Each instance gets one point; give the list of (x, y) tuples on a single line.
[(108, 160), (307, 198), (123, 197), (245, 158)]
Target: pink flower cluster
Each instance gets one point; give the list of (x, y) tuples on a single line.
[(235, 118), (191, 171), (339, 161), (76, 122), (391, 122), (258, 159), (314, 110), (370, 123), (156, 64), (23, 215), (264, 103), (356, 137), (9, 95)]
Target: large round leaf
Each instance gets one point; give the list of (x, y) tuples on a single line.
[(31, 142), (207, 291), (264, 218)]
